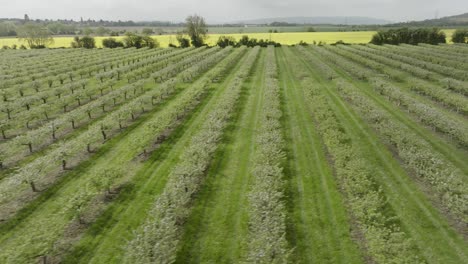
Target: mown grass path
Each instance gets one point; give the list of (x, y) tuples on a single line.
[(216, 230), (105, 241), (436, 240), (320, 223)]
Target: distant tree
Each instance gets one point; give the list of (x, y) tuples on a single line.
[(311, 29), (26, 18), (102, 31), (147, 31), (35, 35), (409, 36), (132, 40), (183, 41), (224, 41), (111, 43), (87, 31), (137, 41), (58, 28), (460, 36), (196, 29), (84, 42), (150, 42), (7, 29), (244, 41)]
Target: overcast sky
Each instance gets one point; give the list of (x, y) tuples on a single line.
[(216, 11)]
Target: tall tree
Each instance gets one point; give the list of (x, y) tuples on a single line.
[(35, 35), (196, 29)]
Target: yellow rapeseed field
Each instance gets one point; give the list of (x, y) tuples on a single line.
[(283, 38)]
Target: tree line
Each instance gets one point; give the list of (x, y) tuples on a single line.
[(409, 36)]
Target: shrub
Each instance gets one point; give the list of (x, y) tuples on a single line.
[(86, 42), (460, 36), (111, 43)]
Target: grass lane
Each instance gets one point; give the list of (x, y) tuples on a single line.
[(220, 210), (320, 223)]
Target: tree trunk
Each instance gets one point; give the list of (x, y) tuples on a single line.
[(64, 164), (89, 115), (3, 134), (33, 186), (73, 124), (104, 135), (30, 147), (88, 148)]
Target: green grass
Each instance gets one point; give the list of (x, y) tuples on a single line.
[(320, 223), (220, 210)]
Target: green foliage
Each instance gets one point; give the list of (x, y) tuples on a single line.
[(112, 43), (84, 42), (245, 41), (35, 35), (102, 31), (224, 41), (460, 36), (184, 42), (409, 36), (105, 178), (138, 41), (147, 31), (58, 28), (196, 29), (7, 29)]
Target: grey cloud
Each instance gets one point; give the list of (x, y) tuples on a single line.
[(225, 11)]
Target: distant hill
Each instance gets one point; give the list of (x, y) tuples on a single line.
[(352, 20), (458, 20)]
